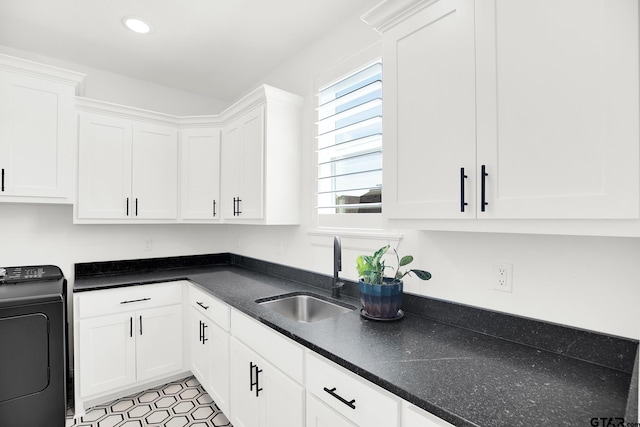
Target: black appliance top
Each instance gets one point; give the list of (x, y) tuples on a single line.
[(31, 285)]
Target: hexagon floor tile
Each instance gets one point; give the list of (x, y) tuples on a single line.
[(179, 403)]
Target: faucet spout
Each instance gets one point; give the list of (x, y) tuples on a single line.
[(337, 267)]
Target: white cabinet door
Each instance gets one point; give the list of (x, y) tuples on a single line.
[(245, 403), (107, 353), (37, 137), (104, 167), (283, 402), (155, 171), (200, 174), (158, 341), (261, 395), (199, 348), (243, 166), (217, 385), (413, 416), (320, 415), (429, 113), (557, 101)]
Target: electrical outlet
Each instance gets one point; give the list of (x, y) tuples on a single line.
[(503, 277), (148, 245)]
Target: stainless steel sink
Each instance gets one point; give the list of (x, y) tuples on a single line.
[(304, 307)]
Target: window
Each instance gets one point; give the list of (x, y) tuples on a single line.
[(349, 140)]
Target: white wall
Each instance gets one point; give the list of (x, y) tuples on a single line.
[(587, 282), (119, 89)]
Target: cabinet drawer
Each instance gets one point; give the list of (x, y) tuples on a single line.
[(280, 351), (209, 306), (118, 300), (412, 416), (360, 401)]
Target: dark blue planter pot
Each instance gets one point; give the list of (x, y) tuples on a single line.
[(381, 301)]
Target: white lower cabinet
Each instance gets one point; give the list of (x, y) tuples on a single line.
[(126, 337), (261, 395), (412, 416), (209, 345), (349, 396), (321, 415)]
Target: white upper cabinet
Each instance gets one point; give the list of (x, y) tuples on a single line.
[(127, 169), (240, 166), (541, 95), (243, 166), (558, 108), (200, 174), (155, 171), (37, 132), (429, 113), (260, 182)]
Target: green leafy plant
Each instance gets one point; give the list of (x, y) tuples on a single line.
[(371, 267)]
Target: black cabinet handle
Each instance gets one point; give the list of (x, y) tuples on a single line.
[(462, 182), (236, 206), (136, 206), (256, 383), (134, 300), (127, 206), (214, 208), (140, 325), (349, 403), (200, 339), (2, 179), (206, 307), (483, 188), (131, 327)]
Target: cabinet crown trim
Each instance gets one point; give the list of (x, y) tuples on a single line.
[(388, 14), (35, 69), (261, 95)]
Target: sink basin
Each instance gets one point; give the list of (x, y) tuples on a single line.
[(304, 307)]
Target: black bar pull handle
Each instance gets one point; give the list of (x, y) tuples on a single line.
[(204, 335), (463, 203), (140, 325), (200, 326), (2, 179), (349, 403), (136, 206), (214, 208), (131, 327), (206, 307), (134, 300), (483, 188), (251, 383), (127, 206)]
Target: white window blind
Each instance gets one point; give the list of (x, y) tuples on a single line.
[(350, 143)]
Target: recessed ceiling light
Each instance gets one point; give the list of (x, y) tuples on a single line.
[(136, 24)]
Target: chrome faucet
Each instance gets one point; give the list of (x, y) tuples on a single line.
[(337, 266)]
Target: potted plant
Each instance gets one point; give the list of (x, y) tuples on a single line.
[(380, 295)]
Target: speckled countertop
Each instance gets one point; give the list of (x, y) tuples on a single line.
[(464, 377)]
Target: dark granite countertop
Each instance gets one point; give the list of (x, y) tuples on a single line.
[(464, 377)]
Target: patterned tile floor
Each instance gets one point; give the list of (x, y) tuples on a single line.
[(177, 404)]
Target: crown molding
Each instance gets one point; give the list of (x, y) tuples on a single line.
[(390, 13), (89, 105), (42, 71), (264, 94)]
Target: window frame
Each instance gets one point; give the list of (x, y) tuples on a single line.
[(341, 70)]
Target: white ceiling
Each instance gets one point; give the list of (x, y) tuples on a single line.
[(215, 48)]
